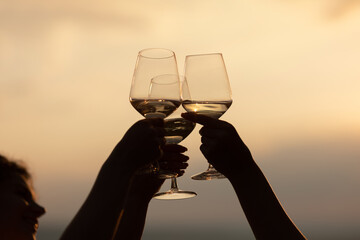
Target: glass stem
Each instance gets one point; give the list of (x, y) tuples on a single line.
[(211, 167), (174, 186)]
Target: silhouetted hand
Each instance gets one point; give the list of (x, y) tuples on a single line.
[(173, 159), (141, 145), (221, 144)]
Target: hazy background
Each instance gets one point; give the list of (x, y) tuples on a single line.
[(65, 75)]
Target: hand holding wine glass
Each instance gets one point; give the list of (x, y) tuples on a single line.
[(221, 144), (210, 93)]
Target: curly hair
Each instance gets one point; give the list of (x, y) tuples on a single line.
[(10, 167)]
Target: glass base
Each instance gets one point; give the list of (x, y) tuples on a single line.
[(209, 174), (174, 195)]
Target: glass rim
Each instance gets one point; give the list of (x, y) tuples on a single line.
[(170, 53), (203, 54)]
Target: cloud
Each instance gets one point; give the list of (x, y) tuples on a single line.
[(342, 8)]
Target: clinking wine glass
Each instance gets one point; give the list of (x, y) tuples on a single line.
[(210, 93), (176, 130), (160, 101)]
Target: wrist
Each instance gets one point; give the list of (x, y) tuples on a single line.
[(124, 159), (143, 187), (139, 199), (114, 177), (241, 171)]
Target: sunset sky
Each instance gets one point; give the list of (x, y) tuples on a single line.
[(65, 76)]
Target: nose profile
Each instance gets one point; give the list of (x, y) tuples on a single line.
[(37, 209)]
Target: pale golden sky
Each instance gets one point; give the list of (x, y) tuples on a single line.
[(65, 75)]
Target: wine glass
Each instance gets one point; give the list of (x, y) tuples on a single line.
[(210, 93), (150, 101), (176, 130)]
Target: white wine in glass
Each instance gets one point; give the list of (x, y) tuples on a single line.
[(155, 107), (210, 90), (159, 101), (214, 109)]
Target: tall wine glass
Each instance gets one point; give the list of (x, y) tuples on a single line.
[(157, 103), (176, 130), (210, 93)]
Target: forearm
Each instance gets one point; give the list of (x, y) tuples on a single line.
[(133, 218), (264, 212), (98, 216), (141, 191)]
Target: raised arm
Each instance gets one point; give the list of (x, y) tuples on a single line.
[(224, 149), (142, 190), (101, 212)]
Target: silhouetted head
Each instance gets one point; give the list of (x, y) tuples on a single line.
[(19, 212)]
